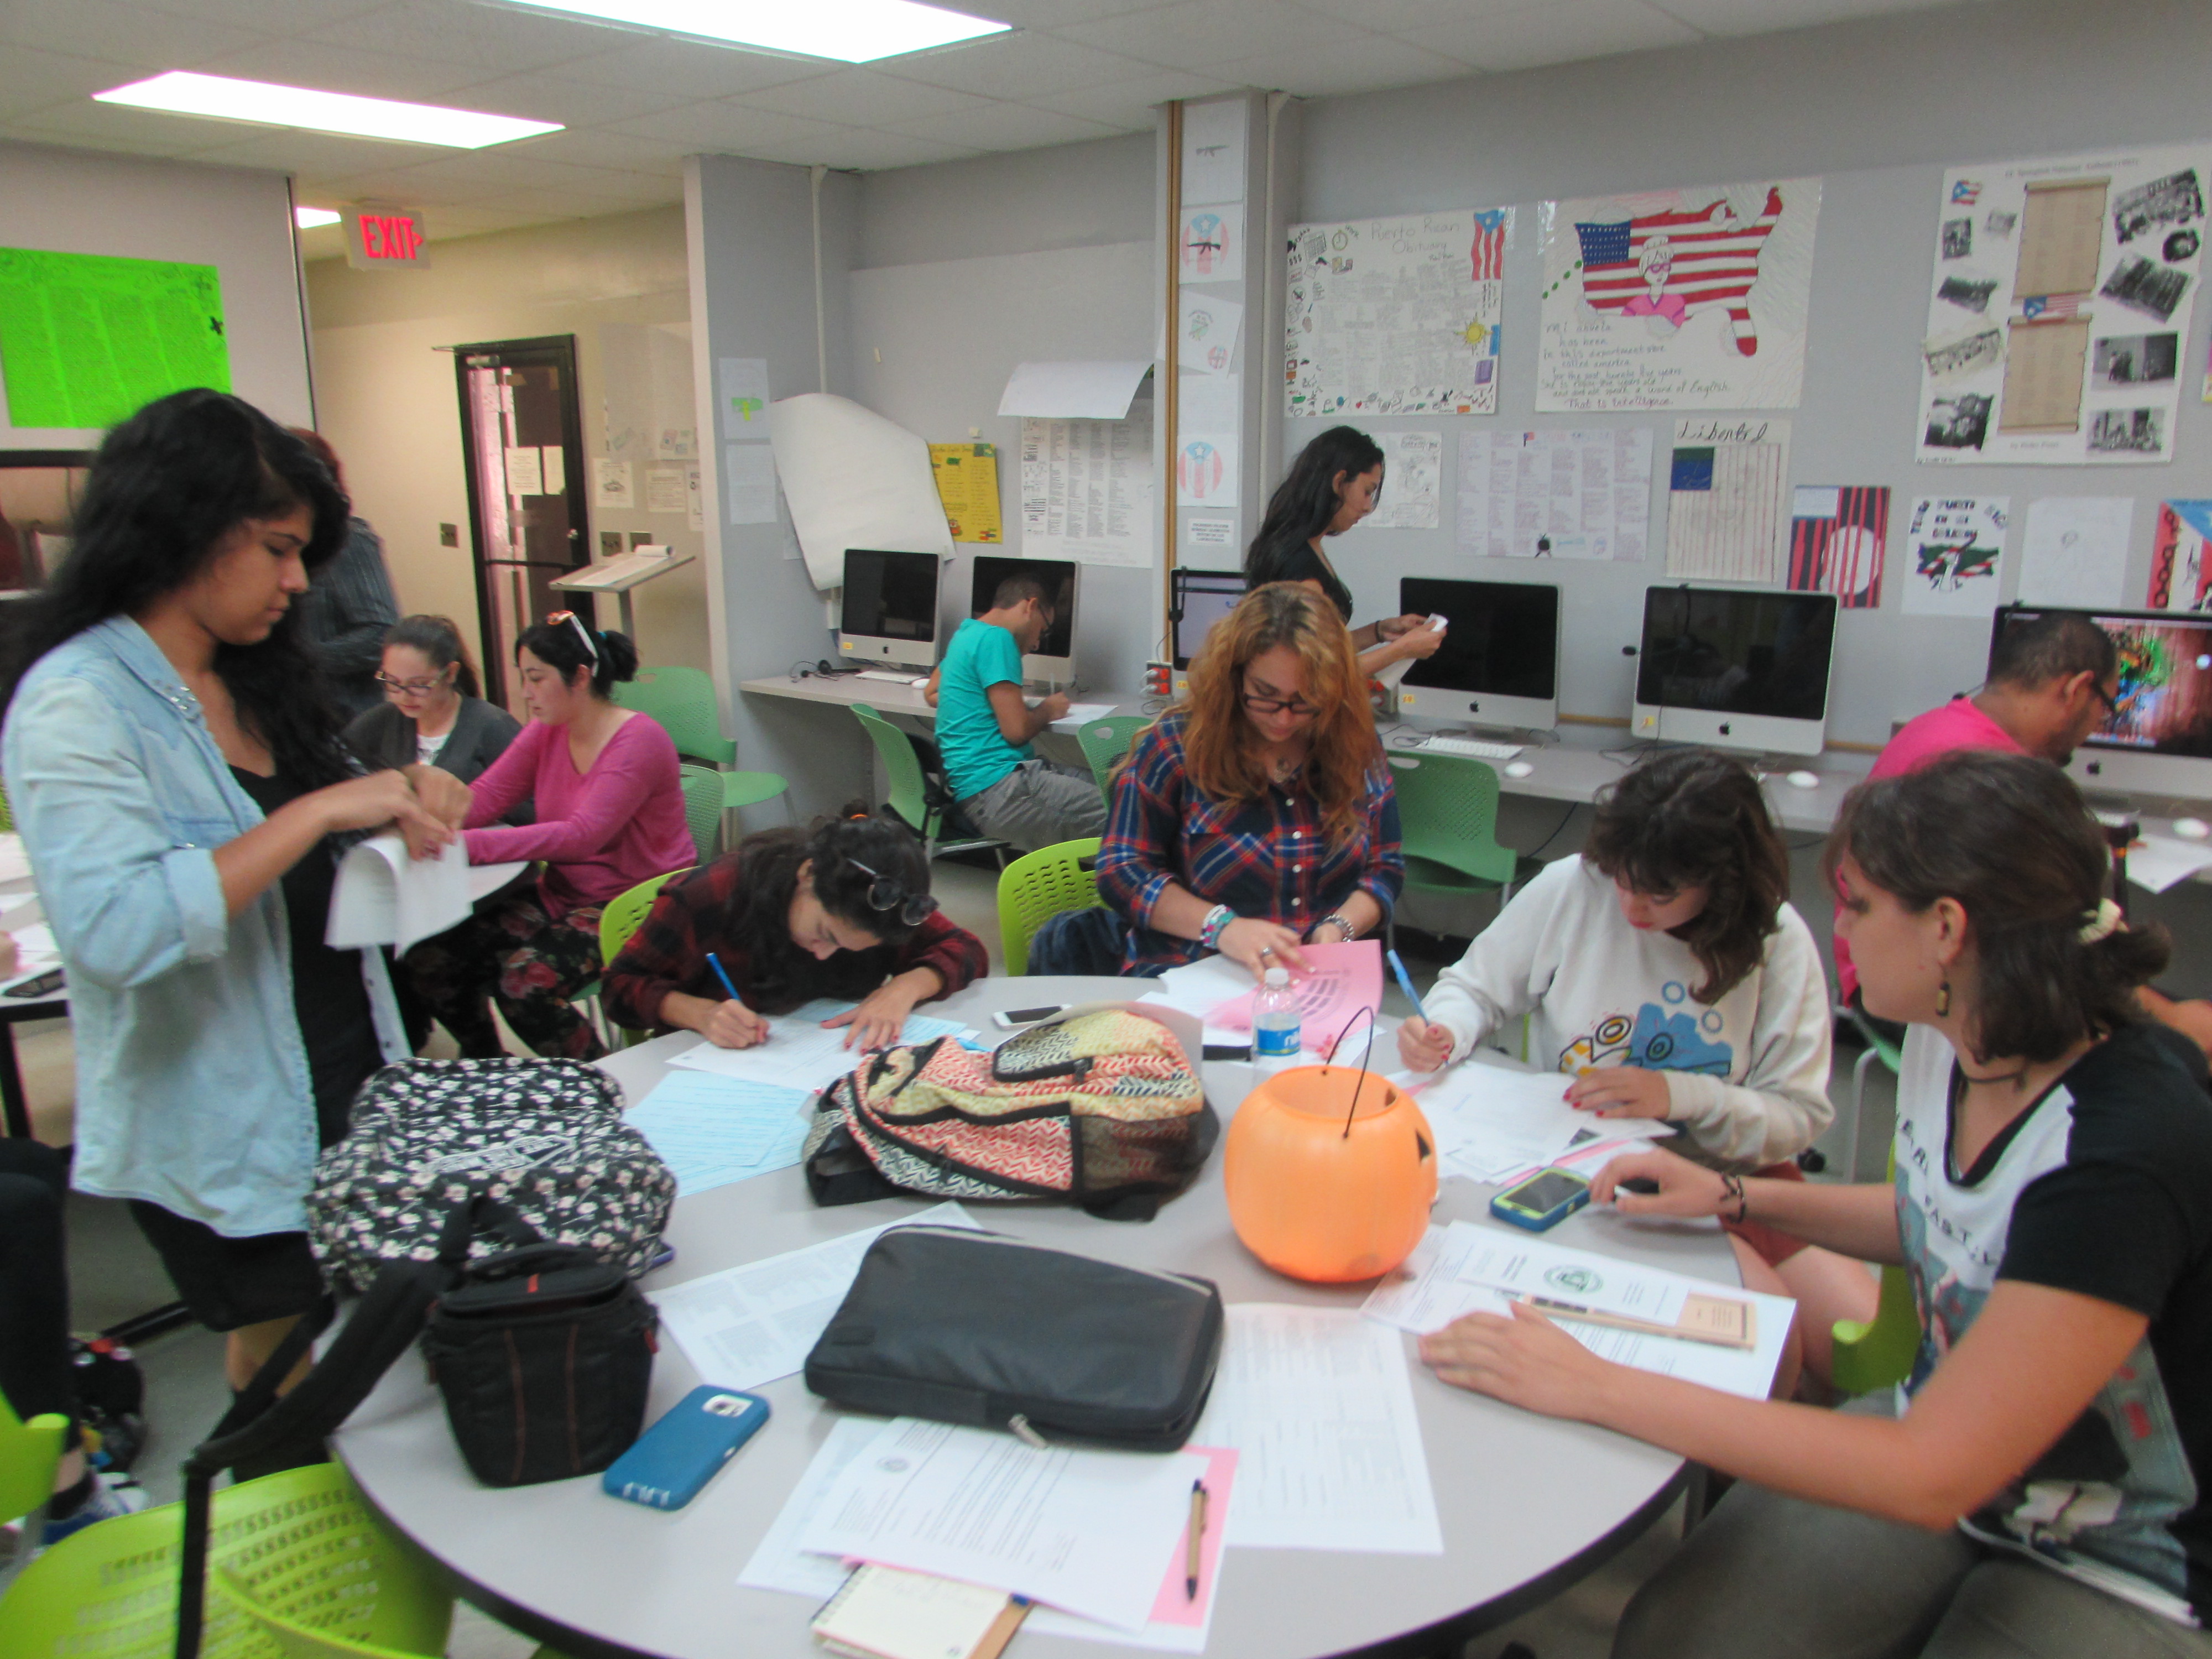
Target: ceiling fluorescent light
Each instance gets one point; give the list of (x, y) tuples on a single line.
[(180, 92), (849, 31), (309, 218)]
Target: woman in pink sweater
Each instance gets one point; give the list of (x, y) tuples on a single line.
[(610, 807)]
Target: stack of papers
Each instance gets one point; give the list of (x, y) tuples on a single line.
[(1082, 714), (384, 897), (1493, 1124), (711, 1130), (800, 1052), (1468, 1268), (748, 1325)]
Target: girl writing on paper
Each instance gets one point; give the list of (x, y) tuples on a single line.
[(177, 776), (1665, 971), (610, 807), (2037, 1486), (1330, 487), (1256, 815), (844, 911)]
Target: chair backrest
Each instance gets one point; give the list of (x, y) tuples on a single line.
[(682, 700), (1039, 886), (1448, 814), (625, 914), (301, 1544), (28, 1453), (1106, 743), (909, 796), (702, 807)]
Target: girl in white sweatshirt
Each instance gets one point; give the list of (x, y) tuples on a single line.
[(1666, 970)]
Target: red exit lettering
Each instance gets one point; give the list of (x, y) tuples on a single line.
[(389, 236)]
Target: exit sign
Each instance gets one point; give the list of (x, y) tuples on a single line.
[(385, 239)]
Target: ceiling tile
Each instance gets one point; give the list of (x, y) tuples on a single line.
[(572, 204), (1052, 14), (863, 150), (860, 97), (725, 126), (103, 126), (572, 103), (393, 184), (500, 169), (496, 39), (1558, 32), (268, 17), (31, 80), (117, 34), (1396, 17), (344, 69), (1129, 104), (1005, 126), (596, 145), (1199, 33), (1366, 66), (688, 67), (1762, 17), (233, 143), (450, 223), (1034, 64)]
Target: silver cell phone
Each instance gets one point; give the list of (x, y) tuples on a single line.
[(1007, 1018)]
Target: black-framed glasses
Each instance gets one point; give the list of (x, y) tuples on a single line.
[(2111, 699), (1254, 704), (887, 895), (412, 687), (555, 618)]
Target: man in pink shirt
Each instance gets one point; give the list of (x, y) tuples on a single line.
[(2051, 681)]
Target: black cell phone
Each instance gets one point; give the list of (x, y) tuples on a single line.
[(1009, 1017), (1643, 1184), (44, 986)]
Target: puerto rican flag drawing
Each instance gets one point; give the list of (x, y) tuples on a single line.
[(1964, 193), (1675, 264), (1489, 253)]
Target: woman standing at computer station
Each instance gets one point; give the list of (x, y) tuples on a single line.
[(1332, 486)]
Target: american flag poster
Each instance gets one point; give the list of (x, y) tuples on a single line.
[(1837, 536), (1395, 316), (2059, 302), (1678, 298)]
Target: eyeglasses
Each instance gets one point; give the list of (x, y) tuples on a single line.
[(882, 895), (412, 687), (1259, 705), (555, 618), (2111, 699)]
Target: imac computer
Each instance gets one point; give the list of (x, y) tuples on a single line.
[(1055, 658), (889, 610), (1200, 600), (1735, 668), (1499, 663), (2157, 740)]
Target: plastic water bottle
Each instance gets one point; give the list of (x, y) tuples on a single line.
[(1275, 1023)]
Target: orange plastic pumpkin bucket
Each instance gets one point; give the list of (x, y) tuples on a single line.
[(1322, 1189)]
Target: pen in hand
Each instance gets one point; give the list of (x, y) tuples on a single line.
[(1196, 1539)]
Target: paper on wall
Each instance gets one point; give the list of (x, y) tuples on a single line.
[(968, 484), (384, 897), (745, 399), (2180, 574), (1206, 468), (1210, 242), (1073, 391), (1678, 298), (695, 515), (1206, 331), (2061, 297), (1087, 489), (2074, 550), (1413, 482), (552, 470), (525, 471), (1214, 151), (1210, 535), (1209, 403), (1954, 552), (748, 483), (1839, 539), (611, 484), (853, 479), (1555, 494), (665, 490), (1395, 316), (1728, 500)]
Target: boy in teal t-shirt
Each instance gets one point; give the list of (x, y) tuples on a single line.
[(984, 729)]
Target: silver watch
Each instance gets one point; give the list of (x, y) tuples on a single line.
[(1337, 919)]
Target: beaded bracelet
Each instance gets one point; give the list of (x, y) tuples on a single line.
[(1732, 1187), (1216, 924)]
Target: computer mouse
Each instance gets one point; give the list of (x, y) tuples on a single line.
[(2191, 829), (1803, 779), (1518, 769)]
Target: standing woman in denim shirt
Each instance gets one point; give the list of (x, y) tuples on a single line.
[(176, 771)]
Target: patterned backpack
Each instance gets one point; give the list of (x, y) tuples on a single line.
[(546, 1137), (1102, 1107)]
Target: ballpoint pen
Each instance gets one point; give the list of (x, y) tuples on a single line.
[(722, 974), (1405, 983), (1196, 1540)]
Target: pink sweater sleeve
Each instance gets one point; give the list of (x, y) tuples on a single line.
[(590, 817), (507, 779)]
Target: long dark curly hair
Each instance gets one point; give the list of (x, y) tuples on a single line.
[(844, 851), (168, 486)]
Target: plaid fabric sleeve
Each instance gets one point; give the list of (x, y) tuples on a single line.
[(1139, 852), (1385, 876), (957, 955), (668, 952)]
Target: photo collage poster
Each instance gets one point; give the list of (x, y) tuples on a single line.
[(1678, 298), (2058, 309)]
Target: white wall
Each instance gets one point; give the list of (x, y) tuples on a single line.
[(390, 405), (240, 223)]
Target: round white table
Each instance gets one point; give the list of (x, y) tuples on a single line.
[(1528, 1505)]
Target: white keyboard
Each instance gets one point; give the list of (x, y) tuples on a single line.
[(885, 674), (1473, 748)]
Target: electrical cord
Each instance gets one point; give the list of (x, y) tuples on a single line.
[(1557, 830)]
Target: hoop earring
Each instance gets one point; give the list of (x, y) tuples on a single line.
[(1943, 999)]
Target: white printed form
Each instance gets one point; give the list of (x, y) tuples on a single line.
[(1319, 1407)]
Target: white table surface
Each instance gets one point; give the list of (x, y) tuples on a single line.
[(1527, 1505)]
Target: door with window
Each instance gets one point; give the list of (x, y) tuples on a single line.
[(522, 426)]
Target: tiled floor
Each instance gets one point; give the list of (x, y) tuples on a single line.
[(114, 1275)]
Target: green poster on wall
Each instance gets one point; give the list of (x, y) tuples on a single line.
[(86, 338)]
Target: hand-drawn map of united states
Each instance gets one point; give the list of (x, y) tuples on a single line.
[(1671, 265)]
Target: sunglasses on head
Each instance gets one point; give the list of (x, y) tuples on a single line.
[(555, 618), (887, 895)]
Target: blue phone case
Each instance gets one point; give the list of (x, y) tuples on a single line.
[(1551, 1217), (678, 1454)]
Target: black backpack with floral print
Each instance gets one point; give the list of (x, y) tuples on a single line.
[(544, 1136)]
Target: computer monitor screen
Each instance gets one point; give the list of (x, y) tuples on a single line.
[(1501, 646), (1202, 598), (1055, 652), (1735, 666), (889, 609), (2163, 707)]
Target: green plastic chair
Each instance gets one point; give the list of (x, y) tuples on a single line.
[(703, 807), (1878, 1048), (1106, 745), (29, 1453), (300, 1546), (624, 915), (909, 787), (1870, 1355), (1448, 827), (1038, 886), (682, 700)]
